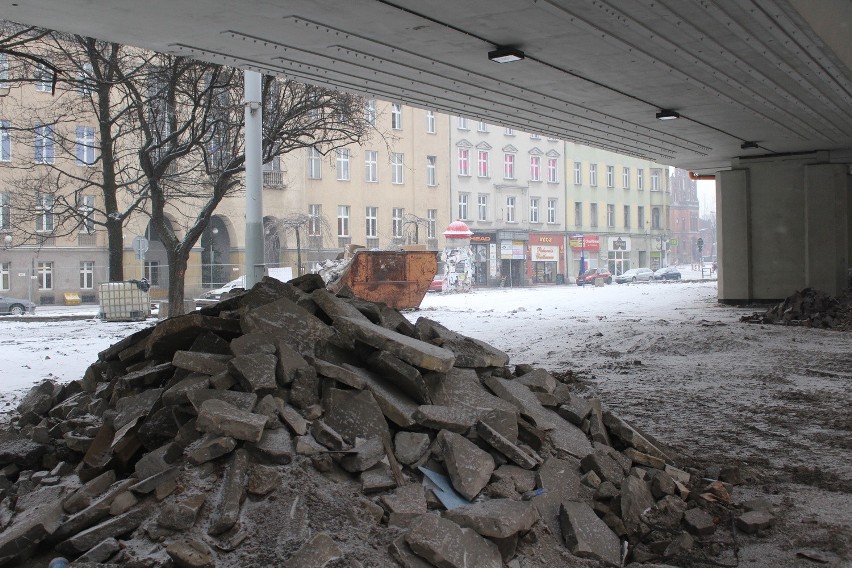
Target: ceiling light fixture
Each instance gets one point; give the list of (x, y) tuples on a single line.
[(505, 55), (667, 115), (749, 146)]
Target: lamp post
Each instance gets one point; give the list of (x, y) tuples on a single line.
[(213, 232)]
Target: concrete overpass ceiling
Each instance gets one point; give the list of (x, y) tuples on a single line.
[(775, 72)]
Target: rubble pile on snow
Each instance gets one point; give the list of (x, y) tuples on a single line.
[(809, 308), (291, 426)]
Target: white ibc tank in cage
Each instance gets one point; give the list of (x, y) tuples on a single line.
[(124, 301)]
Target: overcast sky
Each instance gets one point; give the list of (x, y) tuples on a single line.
[(706, 197)]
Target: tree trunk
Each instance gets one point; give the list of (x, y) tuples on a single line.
[(177, 275), (115, 238), (298, 253)]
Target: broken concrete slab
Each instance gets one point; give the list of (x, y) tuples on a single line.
[(447, 545), (288, 323), (497, 518), (220, 418), (204, 363), (699, 522), (354, 414), (363, 456), (255, 372), (327, 436), (290, 362), (29, 528), (227, 509), (635, 499), (604, 466), (409, 447), (630, 436), (251, 343), (406, 499), (462, 388), (179, 393), (100, 553), (276, 445), (177, 333), (113, 527), (469, 352), (560, 480), (754, 521), (395, 405), (339, 374), (437, 417), (586, 535), (316, 553), (516, 454), (405, 376), (291, 417), (469, 466), (190, 553), (243, 400), (644, 459), (538, 380)]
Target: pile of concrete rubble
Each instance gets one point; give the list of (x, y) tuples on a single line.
[(289, 426), (809, 308)]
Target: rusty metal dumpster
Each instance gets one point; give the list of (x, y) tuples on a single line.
[(400, 279)]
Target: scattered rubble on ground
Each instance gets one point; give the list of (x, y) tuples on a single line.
[(291, 426), (808, 308)]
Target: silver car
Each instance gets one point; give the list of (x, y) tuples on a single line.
[(16, 306), (635, 275)]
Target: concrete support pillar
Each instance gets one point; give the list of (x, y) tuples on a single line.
[(254, 261), (783, 225)]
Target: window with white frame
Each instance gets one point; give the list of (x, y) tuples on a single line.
[(483, 126), (461, 123), (625, 178), (314, 164), (371, 166), (397, 166), (396, 116), (464, 162), (610, 176), (87, 274), (44, 271), (396, 219), (342, 164), (551, 210), (578, 173), (152, 272), (431, 171), (44, 212), (5, 275), (372, 217), (370, 111), (431, 223), (5, 212), (87, 211), (578, 214), (656, 218), (593, 175), (85, 145), (640, 179), (342, 220), (535, 168), (84, 80), (314, 220), (510, 209), (640, 217), (43, 78), (509, 132), (482, 206), (593, 214), (4, 71), (655, 179), (626, 216), (44, 144), (482, 164), (5, 140), (534, 201), (463, 203), (610, 215), (430, 122), (552, 170), (508, 166)]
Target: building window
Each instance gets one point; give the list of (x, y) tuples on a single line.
[(431, 223), (87, 275), (396, 116), (5, 140), (85, 147), (371, 166), (343, 164), (578, 214), (342, 220), (640, 217), (640, 179), (314, 164), (552, 171), (43, 78), (464, 162), (5, 275), (45, 275), (625, 178), (86, 211), (430, 122), (372, 216), (152, 272), (463, 201), (461, 123), (508, 166), (626, 216), (610, 176), (370, 111), (655, 179), (482, 206), (534, 201), (398, 213), (397, 162), (5, 212), (483, 126), (431, 171), (610, 216), (44, 147), (551, 210), (656, 218), (314, 220), (535, 168), (84, 80), (482, 163), (510, 209), (578, 173), (4, 71), (44, 212), (509, 132), (593, 175), (593, 214)]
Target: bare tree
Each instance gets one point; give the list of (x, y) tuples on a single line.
[(300, 225)]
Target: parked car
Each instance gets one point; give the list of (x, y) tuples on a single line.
[(589, 276), (437, 284), (16, 306), (213, 296), (635, 275), (667, 273)]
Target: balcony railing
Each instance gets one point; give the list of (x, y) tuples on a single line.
[(273, 178)]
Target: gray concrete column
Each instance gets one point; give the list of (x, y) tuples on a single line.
[(827, 227), (733, 237)]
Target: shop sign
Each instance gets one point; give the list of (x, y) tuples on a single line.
[(492, 257), (590, 242), (541, 253), (480, 238), (620, 244), (512, 250)]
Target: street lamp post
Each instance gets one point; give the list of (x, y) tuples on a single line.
[(213, 233)]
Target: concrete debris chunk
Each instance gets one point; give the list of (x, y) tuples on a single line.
[(498, 518), (437, 417), (586, 535), (276, 445), (516, 454), (754, 521), (538, 380), (630, 436), (204, 363), (363, 456), (354, 414), (227, 511), (255, 372), (220, 418), (190, 553), (699, 522), (469, 352), (111, 528), (288, 323), (405, 376), (409, 447), (469, 466), (315, 553), (446, 545)]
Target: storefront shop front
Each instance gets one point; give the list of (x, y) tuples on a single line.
[(513, 258), (619, 254), (485, 264), (585, 253), (547, 259)]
